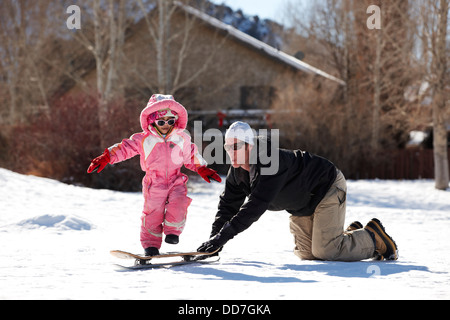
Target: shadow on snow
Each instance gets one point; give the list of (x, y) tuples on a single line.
[(361, 269)]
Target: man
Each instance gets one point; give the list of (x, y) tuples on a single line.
[(307, 186)]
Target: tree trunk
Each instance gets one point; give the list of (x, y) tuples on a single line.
[(160, 46), (441, 172), (377, 94)]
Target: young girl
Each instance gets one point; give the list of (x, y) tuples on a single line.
[(164, 148)]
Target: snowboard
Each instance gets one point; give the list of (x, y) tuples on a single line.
[(144, 262)]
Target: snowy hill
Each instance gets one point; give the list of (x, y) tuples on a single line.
[(56, 240)]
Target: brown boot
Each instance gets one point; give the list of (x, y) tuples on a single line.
[(385, 246), (355, 225)]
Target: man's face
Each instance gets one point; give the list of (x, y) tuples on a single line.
[(238, 152)]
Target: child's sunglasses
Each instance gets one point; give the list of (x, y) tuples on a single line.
[(170, 122)]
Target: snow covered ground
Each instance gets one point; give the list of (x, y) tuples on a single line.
[(55, 242)]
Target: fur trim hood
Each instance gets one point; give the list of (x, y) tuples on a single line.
[(161, 102)]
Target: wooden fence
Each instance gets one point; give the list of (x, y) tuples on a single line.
[(401, 164)]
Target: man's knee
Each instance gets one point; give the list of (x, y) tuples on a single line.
[(324, 253), (304, 254)]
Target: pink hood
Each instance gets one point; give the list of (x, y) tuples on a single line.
[(159, 102)]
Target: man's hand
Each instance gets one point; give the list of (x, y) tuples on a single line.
[(214, 243), (209, 247), (218, 240)]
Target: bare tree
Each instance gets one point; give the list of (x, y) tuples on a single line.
[(9, 27), (103, 35), (173, 39), (431, 31), (392, 71), (375, 64), (24, 33), (440, 98)]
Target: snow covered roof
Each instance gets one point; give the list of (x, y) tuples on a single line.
[(269, 50)]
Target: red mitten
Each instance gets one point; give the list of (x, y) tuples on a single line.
[(207, 173), (100, 162)]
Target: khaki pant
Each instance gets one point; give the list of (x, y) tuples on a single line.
[(321, 235)]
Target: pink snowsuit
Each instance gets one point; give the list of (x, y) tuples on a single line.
[(164, 186)]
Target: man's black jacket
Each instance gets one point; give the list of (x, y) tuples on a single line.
[(299, 184)]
